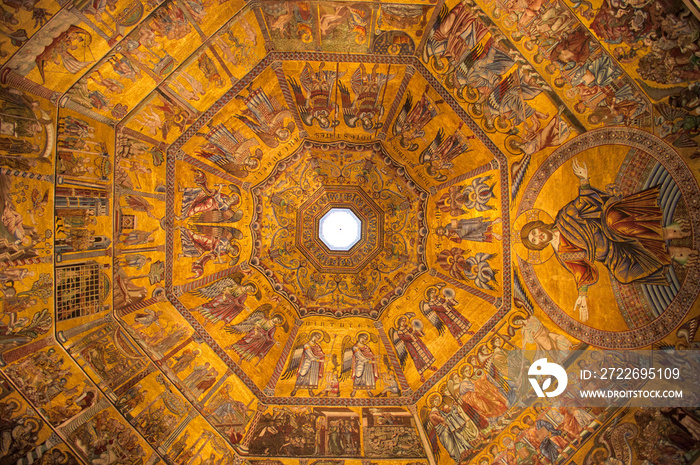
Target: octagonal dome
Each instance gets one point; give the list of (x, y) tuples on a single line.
[(370, 186)]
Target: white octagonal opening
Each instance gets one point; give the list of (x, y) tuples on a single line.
[(340, 229)]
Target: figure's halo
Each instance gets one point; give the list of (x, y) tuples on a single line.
[(461, 370), (407, 315), (325, 337), (531, 256), (437, 289), (432, 397)]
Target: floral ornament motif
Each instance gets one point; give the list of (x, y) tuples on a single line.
[(453, 261), (480, 270), (42, 288), (475, 268), (475, 196), (478, 194)]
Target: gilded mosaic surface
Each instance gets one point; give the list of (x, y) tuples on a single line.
[(524, 174)]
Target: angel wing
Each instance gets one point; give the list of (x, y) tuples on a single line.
[(295, 359), (430, 431), (348, 113), (430, 151), (503, 88), (216, 288), (260, 131), (227, 232), (254, 125), (431, 43), (265, 130), (301, 102), (346, 350), (382, 80), (5, 199), (498, 379), (432, 316), (306, 77), (472, 57), (670, 113), (356, 80), (397, 129), (399, 345), (256, 318), (688, 330), (452, 389), (486, 272)]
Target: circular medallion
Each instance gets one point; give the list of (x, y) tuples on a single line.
[(620, 238)]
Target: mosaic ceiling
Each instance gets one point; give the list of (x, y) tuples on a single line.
[(522, 175)]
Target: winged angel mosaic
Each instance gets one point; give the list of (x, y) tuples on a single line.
[(226, 298)]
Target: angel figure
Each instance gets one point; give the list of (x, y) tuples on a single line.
[(409, 125), (259, 334), (315, 103), (227, 297), (205, 205), (442, 150), (308, 361), (265, 117), (209, 242), (441, 312), (366, 110), (441, 420), (406, 336), (359, 359), (231, 151)]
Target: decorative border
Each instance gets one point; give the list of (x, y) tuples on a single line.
[(324, 209), (672, 162)]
